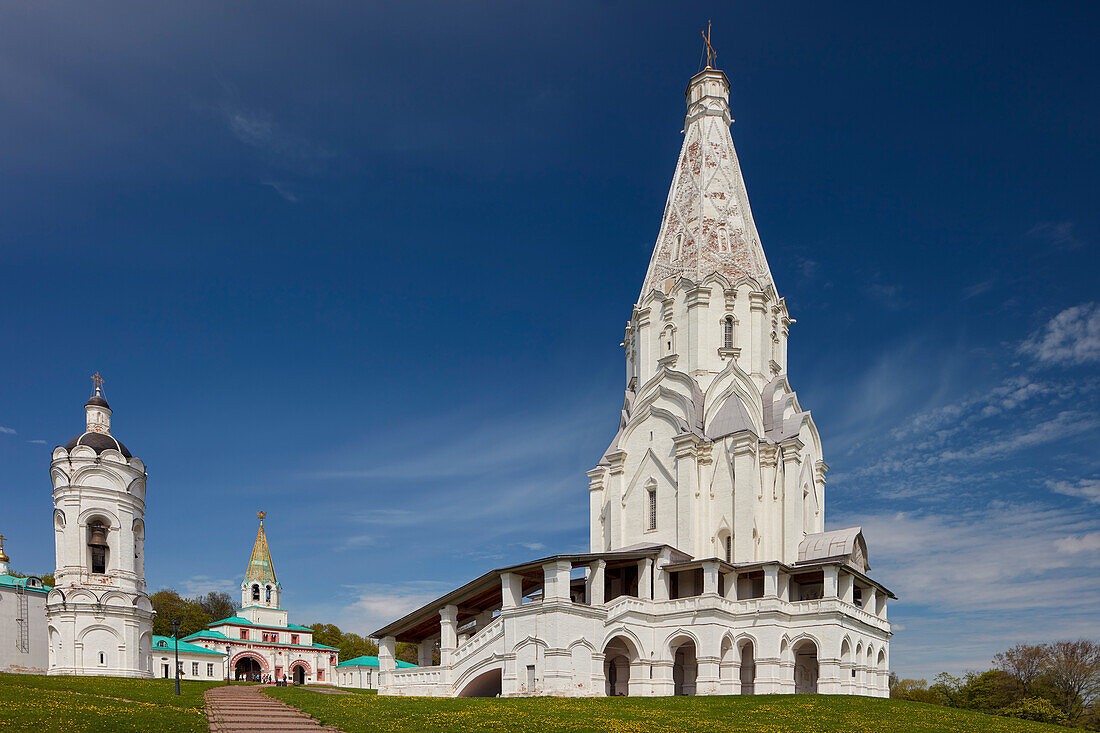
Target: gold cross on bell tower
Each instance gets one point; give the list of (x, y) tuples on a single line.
[(261, 515), (712, 55), (97, 380)]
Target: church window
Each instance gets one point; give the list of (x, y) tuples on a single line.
[(269, 594), (244, 634), (667, 342), (162, 644), (210, 670), (729, 548), (97, 546), (102, 658), (678, 249), (727, 332), (255, 592), (651, 520), (293, 638)]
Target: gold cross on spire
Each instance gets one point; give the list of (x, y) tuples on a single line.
[(2, 538), (712, 55), (97, 380), (261, 515)]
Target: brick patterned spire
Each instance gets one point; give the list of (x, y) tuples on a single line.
[(707, 226)]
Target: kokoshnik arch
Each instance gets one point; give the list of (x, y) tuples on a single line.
[(710, 570)]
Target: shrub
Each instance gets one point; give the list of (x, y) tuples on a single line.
[(1034, 708)]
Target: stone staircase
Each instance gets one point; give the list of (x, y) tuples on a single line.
[(244, 708)]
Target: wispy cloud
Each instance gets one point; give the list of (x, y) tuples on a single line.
[(1088, 489), (1058, 234), (38, 442), (284, 190), (7, 431), (203, 584), (362, 608), (1070, 338), (978, 288)]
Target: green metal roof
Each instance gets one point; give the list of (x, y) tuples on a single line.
[(208, 634), (322, 646), (237, 620), (370, 662), (10, 581), (184, 646)]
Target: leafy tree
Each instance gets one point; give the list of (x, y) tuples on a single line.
[(1073, 670), (217, 605), (915, 690), (170, 606), (1025, 662), (350, 645)]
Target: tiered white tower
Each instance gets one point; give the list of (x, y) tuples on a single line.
[(98, 615), (714, 455), (260, 589)]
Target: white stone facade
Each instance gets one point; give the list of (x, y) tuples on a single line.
[(98, 615), (22, 622), (710, 569)]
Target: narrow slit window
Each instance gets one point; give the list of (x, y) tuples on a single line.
[(651, 520), (729, 548), (727, 333)]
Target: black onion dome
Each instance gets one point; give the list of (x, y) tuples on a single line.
[(97, 401), (98, 442)]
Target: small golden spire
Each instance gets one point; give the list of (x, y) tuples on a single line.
[(3, 555), (97, 380), (261, 515), (712, 55)]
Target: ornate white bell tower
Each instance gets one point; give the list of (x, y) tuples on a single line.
[(100, 620)]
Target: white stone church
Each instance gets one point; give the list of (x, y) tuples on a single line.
[(710, 570)]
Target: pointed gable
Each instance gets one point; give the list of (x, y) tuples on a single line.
[(708, 226)]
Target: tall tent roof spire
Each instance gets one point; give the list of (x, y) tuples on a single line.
[(260, 568), (707, 225)]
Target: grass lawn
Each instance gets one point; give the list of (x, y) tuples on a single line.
[(38, 702), (751, 714)]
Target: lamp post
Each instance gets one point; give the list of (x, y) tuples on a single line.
[(228, 657), (176, 636)]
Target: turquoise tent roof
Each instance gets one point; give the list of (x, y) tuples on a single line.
[(170, 646), (10, 581), (370, 662)]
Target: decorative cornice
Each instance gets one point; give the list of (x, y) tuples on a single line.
[(732, 352), (697, 297), (668, 361), (769, 453)]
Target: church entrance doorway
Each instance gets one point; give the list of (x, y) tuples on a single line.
[(618, 655), (299, 674), (748, 668), (805, 666), (684, 666), (247, 668)]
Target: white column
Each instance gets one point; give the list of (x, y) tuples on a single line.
[(596, 582), (830, 587), (870, 599), (731, 586), (511, 590), (846, 588), (645, 578), (771, 581), (784, 587), (387, 662), (710, 578), (555, 580), (448, 640), (424, 653)]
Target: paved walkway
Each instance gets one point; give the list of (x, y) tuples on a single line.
[(244, 708)]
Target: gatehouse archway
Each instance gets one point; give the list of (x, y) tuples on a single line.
[(618, 656), (805, 666), (685, 667)]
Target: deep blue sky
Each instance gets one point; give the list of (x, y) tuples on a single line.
[(367, 267)]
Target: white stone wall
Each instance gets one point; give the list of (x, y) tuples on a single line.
[(360, 678), (566, 643), (35, 659), (210, 667)]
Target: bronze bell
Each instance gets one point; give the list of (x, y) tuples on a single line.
[(98, 536)]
